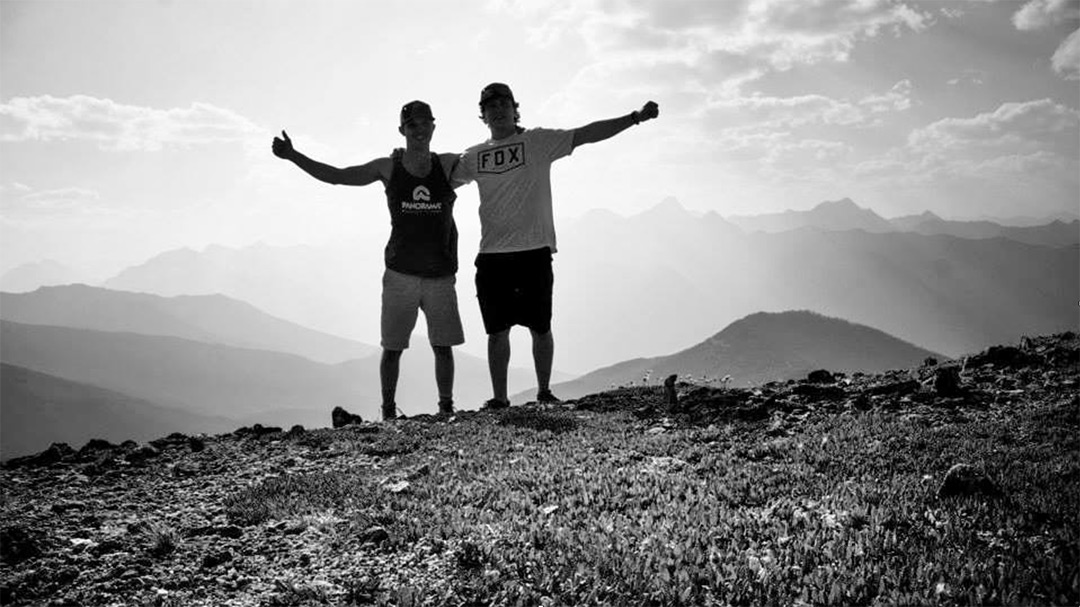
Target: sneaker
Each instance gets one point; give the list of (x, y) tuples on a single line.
[(446, 407), (389, 411), (494, 404), (546, 397)]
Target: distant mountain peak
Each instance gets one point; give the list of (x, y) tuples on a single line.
[(669, 207), (843, 203)]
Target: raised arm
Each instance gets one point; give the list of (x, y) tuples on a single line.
[(606, 129), (364, 174)]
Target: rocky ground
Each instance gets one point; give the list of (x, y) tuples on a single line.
[(159, 523)]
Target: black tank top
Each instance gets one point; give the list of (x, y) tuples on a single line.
[(423, 236)]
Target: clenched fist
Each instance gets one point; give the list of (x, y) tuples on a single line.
[(282, 146)]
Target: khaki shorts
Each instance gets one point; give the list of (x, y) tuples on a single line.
[(404, 294)]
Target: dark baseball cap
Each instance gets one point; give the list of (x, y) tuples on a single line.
[(415, 109), (493, 90)]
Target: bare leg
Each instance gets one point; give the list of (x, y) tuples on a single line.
[(543, 347), (389, 368), (444, 371), (499, 362)]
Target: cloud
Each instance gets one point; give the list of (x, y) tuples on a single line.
[(116, 126), (772, 34), (1039, 14), (765, 112), (1066, 60), (20, 201), (1014, 127)]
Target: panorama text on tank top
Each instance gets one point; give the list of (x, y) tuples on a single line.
[(423, 236)]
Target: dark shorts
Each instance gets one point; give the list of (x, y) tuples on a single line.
[(515, 289)]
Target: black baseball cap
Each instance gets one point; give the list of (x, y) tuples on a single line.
[(496, 89), (415, 109)]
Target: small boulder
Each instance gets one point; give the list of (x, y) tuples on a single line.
[(214, 559), (56, 453), (18, 543), (173, 440), (374, 535), (340, 418), (965, 479), (821, 376), (947, 382), (94, 447), (142, 454), (1003, 357)]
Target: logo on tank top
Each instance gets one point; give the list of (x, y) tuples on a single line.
[(501, 159), (420, 203)]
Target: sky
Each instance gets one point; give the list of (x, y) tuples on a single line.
[(128, 128)]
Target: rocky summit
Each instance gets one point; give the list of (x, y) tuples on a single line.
[(951, 483)]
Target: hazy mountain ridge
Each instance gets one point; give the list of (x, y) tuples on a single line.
[(673, 276), (845, 214), (671, 279), (207, 318), (30, 276), (329, 289), (40, 409), (836, 215), (240, 384), (760, 348)]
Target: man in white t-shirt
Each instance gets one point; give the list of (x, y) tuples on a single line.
[(517, 231)]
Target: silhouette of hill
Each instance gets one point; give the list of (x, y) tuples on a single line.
[(760, 348), (207, 318), (835, 215), (30, 276), (38, 409), (240, 384), (1053, 234), (660, 280), (668, 283), (329, 289)]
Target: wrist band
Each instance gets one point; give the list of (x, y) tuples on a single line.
[(634, 117)]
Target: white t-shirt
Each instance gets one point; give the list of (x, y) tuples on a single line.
[(514, 178)]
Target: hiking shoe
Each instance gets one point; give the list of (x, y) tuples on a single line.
[(446, 407), (494, 404), (389, 411), (547, 398)]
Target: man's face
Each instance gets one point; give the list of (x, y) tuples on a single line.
[(418, 130), (499, 112)]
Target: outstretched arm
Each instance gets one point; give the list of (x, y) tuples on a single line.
[(605, 129), (363, 174)]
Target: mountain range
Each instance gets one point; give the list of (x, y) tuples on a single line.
[(30, 276), (657, 282), (200, 363), (268, 334), (208, 318), (679, 275), (844, 214), (40, 409), (760, 348)]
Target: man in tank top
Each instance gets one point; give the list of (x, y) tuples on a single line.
[(421, 255)]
